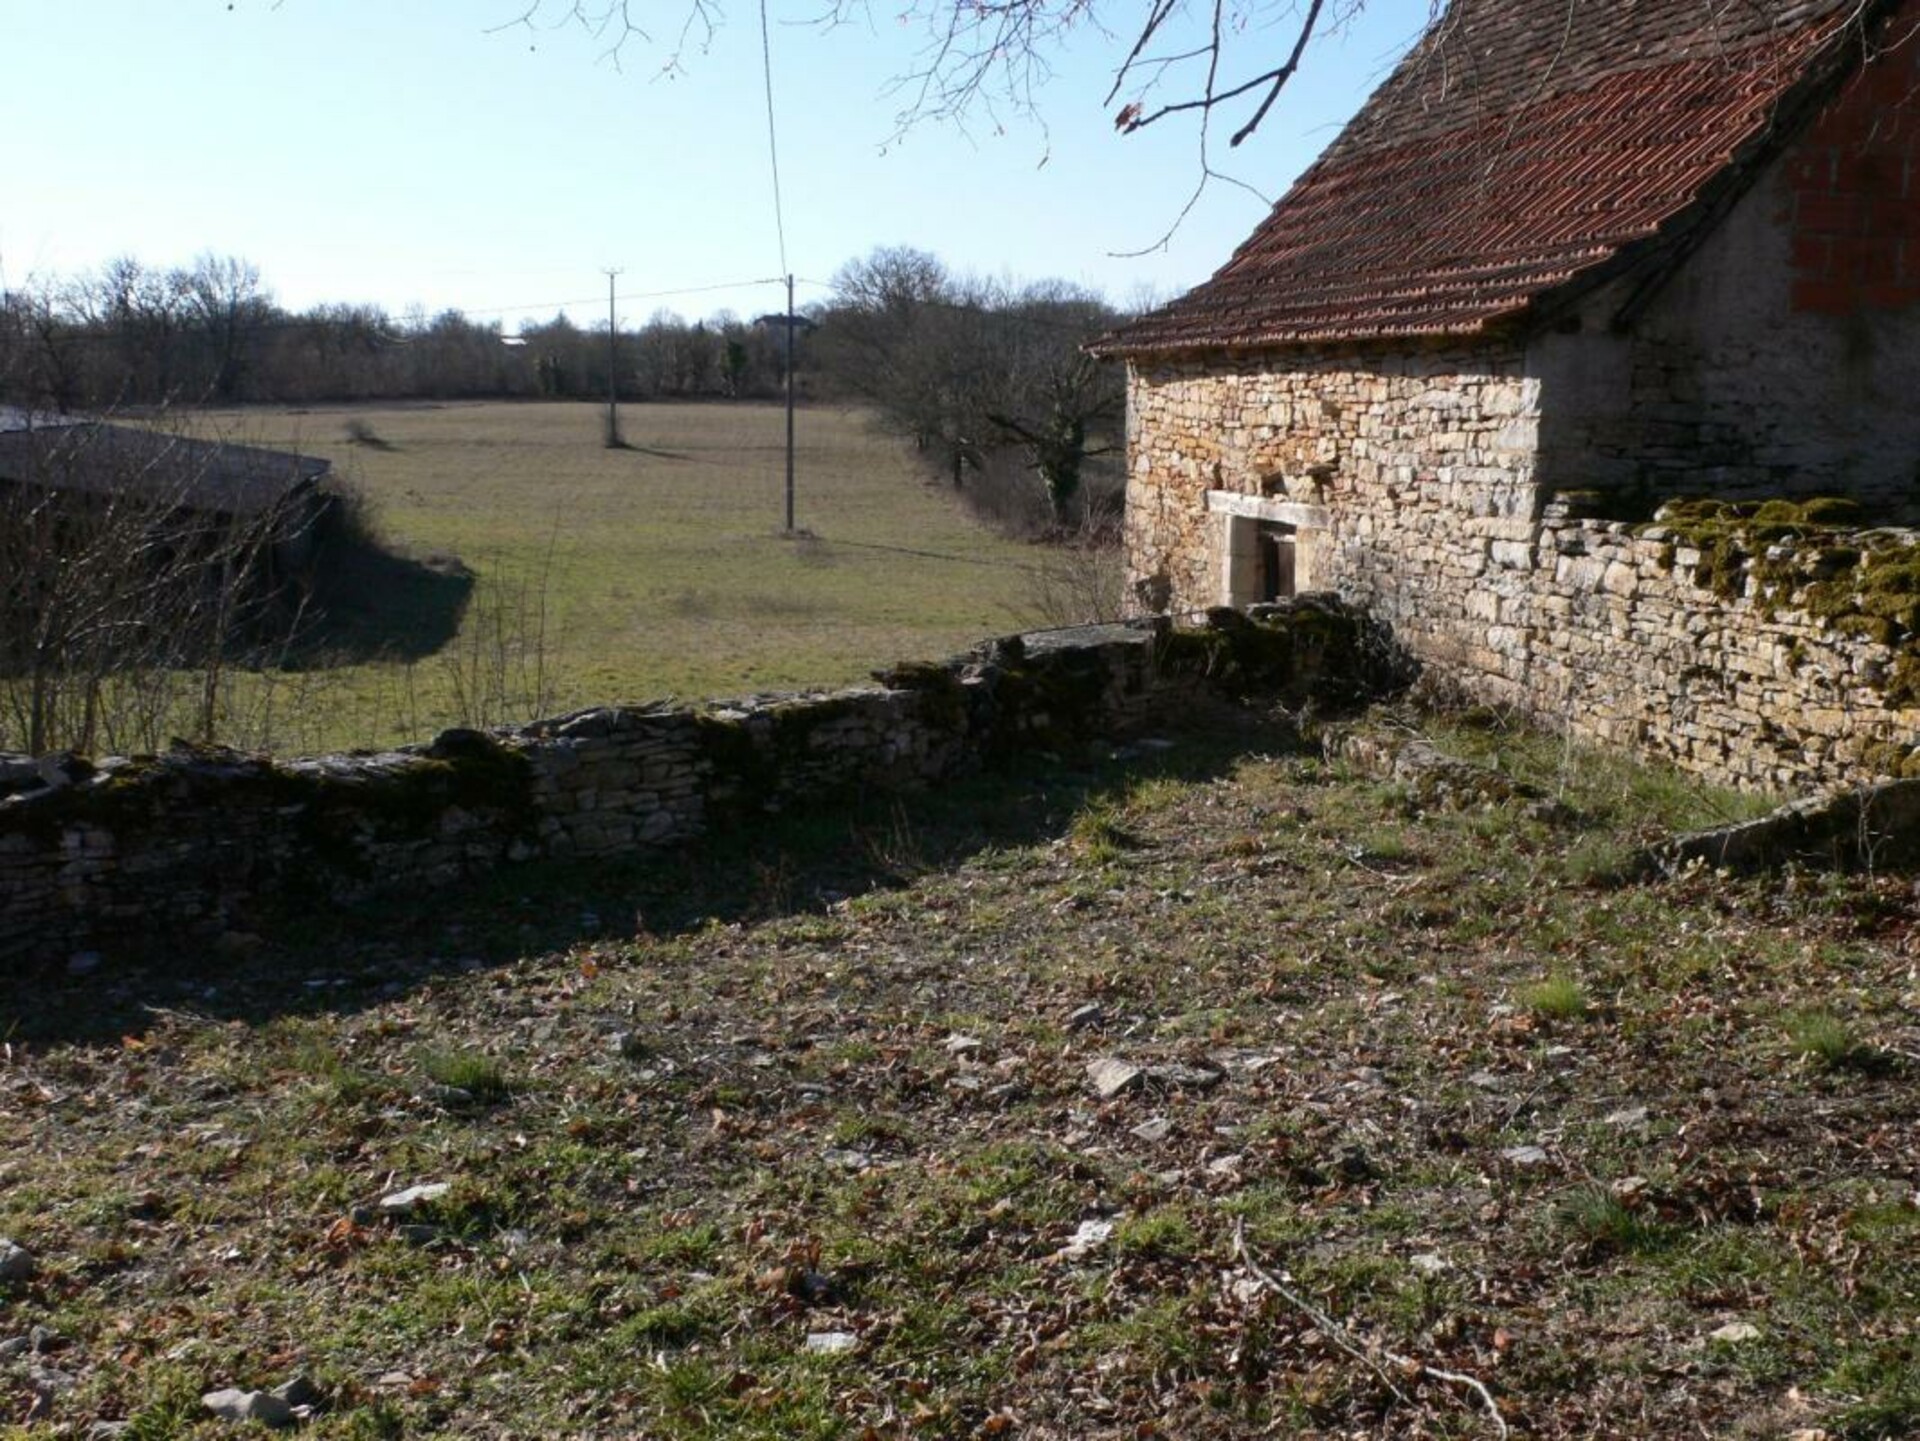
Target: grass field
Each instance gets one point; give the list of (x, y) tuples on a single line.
[(795, 1135), (662, 567)]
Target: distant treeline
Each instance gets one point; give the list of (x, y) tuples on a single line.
[(211, 332)]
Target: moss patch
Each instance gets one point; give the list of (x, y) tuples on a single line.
[(1809, 555)]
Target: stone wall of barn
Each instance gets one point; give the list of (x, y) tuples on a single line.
[(1417, 492), (1784, 666), (1409, 479)]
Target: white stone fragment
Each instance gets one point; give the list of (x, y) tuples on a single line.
[(401, 1203)]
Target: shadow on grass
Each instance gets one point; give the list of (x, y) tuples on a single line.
[(368, 603), (647, 450), (802, 862)]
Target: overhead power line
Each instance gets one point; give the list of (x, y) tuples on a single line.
[(773, 146)]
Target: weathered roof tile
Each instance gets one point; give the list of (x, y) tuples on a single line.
[(1518, 147)]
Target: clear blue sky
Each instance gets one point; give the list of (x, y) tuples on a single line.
[(394, 151)]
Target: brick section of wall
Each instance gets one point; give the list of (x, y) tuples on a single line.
[(173, 850), (1855, 206)]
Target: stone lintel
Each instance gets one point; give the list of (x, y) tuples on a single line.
[(1260, 507)]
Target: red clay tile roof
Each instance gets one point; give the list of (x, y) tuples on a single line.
[(1522, 143)]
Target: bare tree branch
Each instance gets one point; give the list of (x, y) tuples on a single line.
[(994, 56)]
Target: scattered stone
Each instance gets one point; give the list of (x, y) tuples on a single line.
[(831, 1343), (298, 1392), (1629, 1190), (1735, 1332), (1091, 1234), (958, 1045), (1627, 1118), (363, 1215), (394, 1379), (402, 1203), (15, 1346), (232, 1404), (107, 1430), (84, 963), (452, 1097), (1526, 1157), (1110, 1076), (419, 1235), (16, 1261), (1091, 1014), (49, 1381), (1155, 1131), (1225, 1165), (627, 1044), (1430, 1263), (1185, 1078)]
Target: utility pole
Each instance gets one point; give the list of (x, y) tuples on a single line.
[(789, 319), (614, 442)]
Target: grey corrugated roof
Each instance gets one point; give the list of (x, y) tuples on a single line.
[(61, 452)]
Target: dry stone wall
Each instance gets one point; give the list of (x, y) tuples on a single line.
[(1627, 640), (169, 852)]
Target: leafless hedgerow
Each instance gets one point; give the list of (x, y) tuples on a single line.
[(131, 577)]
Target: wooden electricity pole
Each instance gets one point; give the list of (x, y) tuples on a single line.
[(789, 351), (614, 442)]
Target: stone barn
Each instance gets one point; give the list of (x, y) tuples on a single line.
[(1569, 262)]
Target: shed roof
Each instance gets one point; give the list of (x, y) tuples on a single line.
[(69, 453), (1520, 145)]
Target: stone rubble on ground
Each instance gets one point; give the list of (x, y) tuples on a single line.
[(402, 1203), (1110, 1076), (17, 1263), (1090, 1235), (232, 1404)]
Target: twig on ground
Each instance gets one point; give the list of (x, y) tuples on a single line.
[(1343, 1338)]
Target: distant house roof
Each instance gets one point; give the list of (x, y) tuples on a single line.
[(1519, 146), (77, 453)]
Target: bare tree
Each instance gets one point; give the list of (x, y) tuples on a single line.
[(225, 304), (988, 56), (123, 594), (967, 368)]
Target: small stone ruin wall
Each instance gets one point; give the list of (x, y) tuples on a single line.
[(164, 853)]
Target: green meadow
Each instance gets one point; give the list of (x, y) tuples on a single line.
[(544, 571)]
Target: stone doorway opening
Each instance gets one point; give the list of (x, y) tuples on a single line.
[(1276, 560)]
